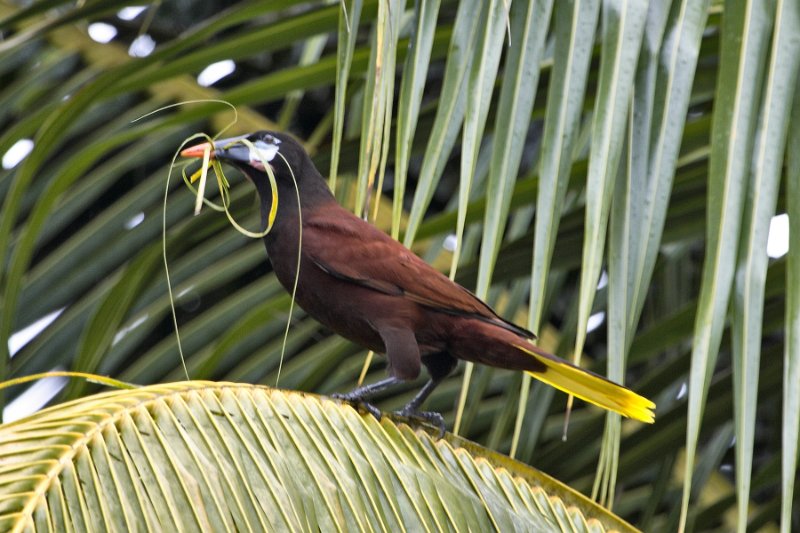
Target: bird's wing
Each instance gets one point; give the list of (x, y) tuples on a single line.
[(366, 256)]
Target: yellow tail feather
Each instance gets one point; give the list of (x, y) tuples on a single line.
[(592, 388)]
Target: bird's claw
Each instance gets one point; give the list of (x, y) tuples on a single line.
[(431, 417), (358, 402), (371, 409), (346, 397)]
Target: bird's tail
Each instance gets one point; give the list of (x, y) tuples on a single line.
[(589, 386)]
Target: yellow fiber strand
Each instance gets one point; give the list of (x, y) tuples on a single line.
[(299, 252), (201, 189), (164, 210), (273, 209), (224, 190)]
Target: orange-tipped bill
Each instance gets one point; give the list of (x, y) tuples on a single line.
[(198, 150)]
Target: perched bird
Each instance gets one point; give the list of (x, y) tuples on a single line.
[(369, 288)]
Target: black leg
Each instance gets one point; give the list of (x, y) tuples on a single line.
[(411, 410), (439, 365), (368, 391), (412, 407)]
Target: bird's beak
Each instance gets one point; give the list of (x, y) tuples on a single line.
[(234, 151), (223, 149)]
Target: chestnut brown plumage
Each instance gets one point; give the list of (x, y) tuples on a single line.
[(371, 289)]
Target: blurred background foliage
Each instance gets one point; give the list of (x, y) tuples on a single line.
[(604, 172)]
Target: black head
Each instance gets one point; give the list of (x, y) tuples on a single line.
[(279, 150), (285, 156)]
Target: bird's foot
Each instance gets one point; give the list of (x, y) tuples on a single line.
[(359, 396), (430, 417), (358, 402), (349, 397)]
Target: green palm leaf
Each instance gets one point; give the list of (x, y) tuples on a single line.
[(227, 457)]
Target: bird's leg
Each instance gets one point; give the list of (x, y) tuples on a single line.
[(368, 391), (411, 409), (439, 365)]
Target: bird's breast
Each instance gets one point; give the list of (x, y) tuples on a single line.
[(336, 304)]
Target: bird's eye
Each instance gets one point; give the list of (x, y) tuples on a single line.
[(263, 150)]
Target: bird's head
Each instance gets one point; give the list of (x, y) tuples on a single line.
[(285, 156), (249, 153)]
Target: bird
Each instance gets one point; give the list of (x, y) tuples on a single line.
[(369, 288)]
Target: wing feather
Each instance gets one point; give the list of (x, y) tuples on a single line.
[(368, 257)]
